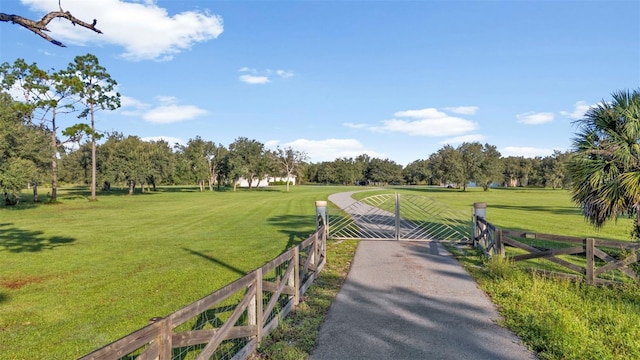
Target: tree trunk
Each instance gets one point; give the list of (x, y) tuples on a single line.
[(287, 183), (93, 154), (132, 187), (212, 181), (35, 192), (636, 231), (54, 159)]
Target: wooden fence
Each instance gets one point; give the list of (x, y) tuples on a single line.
[(228, 323), (592, 257)]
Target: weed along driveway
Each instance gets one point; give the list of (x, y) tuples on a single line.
[(413, 300)]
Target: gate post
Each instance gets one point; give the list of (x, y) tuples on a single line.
[(397, 216), (321, 212), (479, 210)]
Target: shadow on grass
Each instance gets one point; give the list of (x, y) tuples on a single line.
[(26, 202), (296, 227), (216, 261), (15, 240)]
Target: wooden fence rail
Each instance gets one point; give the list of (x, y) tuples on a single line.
[(230, 322), (594, 255)]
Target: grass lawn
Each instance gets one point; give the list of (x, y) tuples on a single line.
[(77, 275)]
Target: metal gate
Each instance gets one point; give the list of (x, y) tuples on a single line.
[(399, 217)]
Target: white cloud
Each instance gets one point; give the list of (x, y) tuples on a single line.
[(355, 126), (331, 149), (145, 30), (272, 143), (168, 114), (463, 110), (579, 109), (132, 107), (173, 141), (464, 138), (167, 99), (447, 126), (421, 114), (528, 152), (252, 79), (255, 76), (127, 101), (534, 118), (284, 74), (429, 122)]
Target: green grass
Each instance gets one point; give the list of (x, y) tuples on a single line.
[(77, 275), (560, 319)]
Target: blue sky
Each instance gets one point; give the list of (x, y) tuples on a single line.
[(397, 79)]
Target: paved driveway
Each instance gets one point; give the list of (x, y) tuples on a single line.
[(412, 300)]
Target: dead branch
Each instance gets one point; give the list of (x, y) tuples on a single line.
[(39, 27)]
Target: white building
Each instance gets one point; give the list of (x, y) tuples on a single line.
[(266, 181)]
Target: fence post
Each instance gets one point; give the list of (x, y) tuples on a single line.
[(164, 339), (313, 254), (589, 253), (479, 210), (296, 275), (397, 214), (254, 310), (499, 244)]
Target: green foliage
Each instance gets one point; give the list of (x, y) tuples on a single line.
[(498, 267), (279, 183), (23, 151), (560, 319), (605, 167)]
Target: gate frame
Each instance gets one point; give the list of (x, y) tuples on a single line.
[(397, 233)]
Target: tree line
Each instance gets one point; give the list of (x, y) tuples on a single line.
[(469, 163), (132, 162), (34, 150), (602, 171)]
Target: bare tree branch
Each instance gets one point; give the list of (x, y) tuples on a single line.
[(39, 27)]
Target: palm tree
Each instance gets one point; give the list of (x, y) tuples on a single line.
[(605, 166)]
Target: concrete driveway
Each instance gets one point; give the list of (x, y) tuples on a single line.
[(412, 300)]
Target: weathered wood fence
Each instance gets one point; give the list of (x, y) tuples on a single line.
[(591, 258), (228, 323)]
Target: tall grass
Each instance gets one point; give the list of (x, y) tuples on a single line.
[(560, 319)]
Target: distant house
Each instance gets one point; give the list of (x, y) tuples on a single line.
[(266, 181)]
